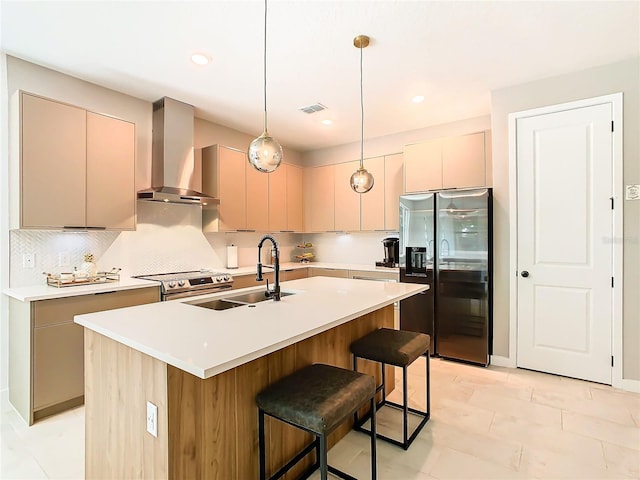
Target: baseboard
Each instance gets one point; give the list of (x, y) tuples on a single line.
[(500, 361), (630, 385)]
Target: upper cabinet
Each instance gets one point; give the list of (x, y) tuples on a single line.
[(393, 187), (285, 199), (319, 184), (346, 201), (372, 202), (331, 204), (224, 177), (75, 168), (450, 162), (249, 200)]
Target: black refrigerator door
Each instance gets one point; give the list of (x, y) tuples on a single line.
[(417, 312), (463, 275), (417, 234)]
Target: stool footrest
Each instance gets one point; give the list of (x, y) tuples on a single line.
[(425, 418)]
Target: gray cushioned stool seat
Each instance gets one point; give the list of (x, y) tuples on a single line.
[(317, 397), (393, 347)]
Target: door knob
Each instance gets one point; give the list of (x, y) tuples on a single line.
[(524, 273)]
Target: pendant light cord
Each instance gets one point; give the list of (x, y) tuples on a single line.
[(361, 115), (265, 65)]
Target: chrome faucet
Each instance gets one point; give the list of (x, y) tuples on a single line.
[(275, 293)]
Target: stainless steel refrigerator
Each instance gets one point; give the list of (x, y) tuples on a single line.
[(446, 242)]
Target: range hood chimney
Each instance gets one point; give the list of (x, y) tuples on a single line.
[(172, 162)]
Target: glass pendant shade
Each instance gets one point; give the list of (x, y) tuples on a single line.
[(361, 181), (265, 153)]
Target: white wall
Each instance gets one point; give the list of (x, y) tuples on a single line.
[(389, 144), (618, 77)]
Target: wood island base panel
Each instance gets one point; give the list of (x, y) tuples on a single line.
[(207, 428)]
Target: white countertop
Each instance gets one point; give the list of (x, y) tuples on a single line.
[(296, 265), (46, 292), (206, 342)]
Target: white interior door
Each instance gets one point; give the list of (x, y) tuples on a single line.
[(565, 295)]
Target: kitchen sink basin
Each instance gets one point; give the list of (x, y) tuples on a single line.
[(235, 301), (217, 304)]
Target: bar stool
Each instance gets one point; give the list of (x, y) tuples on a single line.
[(316, 399), (399, 348)]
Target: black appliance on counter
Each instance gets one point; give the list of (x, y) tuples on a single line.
[(391, 252), (446, 242)]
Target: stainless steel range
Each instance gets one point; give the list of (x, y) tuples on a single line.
[(188, 284)]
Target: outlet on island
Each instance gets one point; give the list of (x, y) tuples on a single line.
[(152, 419)]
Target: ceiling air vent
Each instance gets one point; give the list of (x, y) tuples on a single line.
[(316, 107)]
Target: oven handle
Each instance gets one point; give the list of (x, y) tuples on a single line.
[(194, 293)]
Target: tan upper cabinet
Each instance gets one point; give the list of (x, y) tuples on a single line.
[(110, 172), (423, 166), (285, 199), (53, 164), (224, 177), (463, 161), (257, 186), (319, 198), (278, 199), (77, 168), (249, 199), (372, 202), (346, 201), (393, 186), (450, 162), (294, 199)]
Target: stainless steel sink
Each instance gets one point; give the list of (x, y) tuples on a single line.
[(236, 300), (217, 304)]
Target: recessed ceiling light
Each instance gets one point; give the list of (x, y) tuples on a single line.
[(327, 122), (199, 59), (418, 99)]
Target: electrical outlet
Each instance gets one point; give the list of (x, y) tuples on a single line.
[(63, 259), (152, 419), (28, 260)]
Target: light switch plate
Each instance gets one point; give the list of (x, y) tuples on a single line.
[(152, 419), (632, 192)]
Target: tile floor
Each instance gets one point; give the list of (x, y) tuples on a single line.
[(486, 423)]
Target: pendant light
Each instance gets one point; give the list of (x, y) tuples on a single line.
[(265, 153), (361, 180)]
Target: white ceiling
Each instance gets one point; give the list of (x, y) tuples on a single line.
[(452, 52)]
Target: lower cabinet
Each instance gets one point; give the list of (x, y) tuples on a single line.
[(46, 349), (249, 280), (328, 272)]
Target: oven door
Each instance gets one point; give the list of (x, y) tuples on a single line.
[(194, 293)]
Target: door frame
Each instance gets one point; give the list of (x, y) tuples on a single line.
[(616, 102)]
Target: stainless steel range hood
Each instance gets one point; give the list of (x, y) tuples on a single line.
[(172, 162)]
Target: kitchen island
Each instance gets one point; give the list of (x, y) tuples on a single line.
[(202, 369)]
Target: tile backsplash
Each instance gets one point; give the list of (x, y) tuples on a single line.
[(169, 238)]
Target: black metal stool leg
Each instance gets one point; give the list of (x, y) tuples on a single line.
[(405, 408), (263, 469), (428, 381), (374, 471), (324, 471), (384, 394)]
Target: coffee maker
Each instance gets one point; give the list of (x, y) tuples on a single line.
[(391, 252)]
